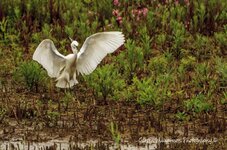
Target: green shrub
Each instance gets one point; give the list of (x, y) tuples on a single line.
[(3, 28), (181, 116), (158, 65), (104, 9), (198, 104), (202, 75), (186, 64), (178, 37), (221, 39), (30, 74), (221, 70), (153, 92), (116, 135), (160, 40), (131, 60), (52, 118), (17, 54), (224, 98), (203, 48), (145, 42), (105, 81), (199, 15), (146, 92), (178, 12), (151, 21), (67, 99)]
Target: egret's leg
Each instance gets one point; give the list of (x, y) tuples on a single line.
[(68, 84), (73, 90)]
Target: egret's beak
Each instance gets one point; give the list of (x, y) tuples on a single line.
[(70, 39)]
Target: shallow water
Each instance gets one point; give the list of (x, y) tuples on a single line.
[(65, 145), (143, 144)]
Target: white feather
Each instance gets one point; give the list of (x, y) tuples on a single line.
[(95, 48), (48, 56)]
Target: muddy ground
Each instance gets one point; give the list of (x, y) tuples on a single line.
[(33, 117)]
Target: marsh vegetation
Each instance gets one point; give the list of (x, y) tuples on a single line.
[(169, 80)]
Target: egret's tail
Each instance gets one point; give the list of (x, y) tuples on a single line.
[(63, 82)]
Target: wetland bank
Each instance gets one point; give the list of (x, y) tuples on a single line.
[(164, 89)]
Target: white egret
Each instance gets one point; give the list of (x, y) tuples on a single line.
[(66, 68)]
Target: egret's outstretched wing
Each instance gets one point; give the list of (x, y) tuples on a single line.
[(49, 57), (95, 48)]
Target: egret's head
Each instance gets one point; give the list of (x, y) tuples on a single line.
[(74, 45)]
